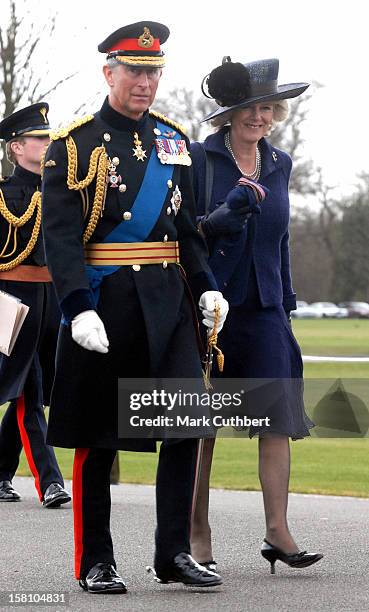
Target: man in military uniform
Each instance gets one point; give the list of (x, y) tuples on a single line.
[(26, 375), (118, 218)]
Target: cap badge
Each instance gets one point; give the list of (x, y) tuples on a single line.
[(43, 112), (146, 40)]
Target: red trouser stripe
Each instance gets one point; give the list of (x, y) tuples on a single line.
[(21, 408), (80, 457)]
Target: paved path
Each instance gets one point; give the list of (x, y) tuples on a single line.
[(36, 555)]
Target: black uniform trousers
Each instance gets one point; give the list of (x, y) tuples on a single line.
[(24, 424), (92, 504)]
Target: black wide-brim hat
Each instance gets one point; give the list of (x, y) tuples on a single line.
[(29, 121), (235, 85), (137, 44)]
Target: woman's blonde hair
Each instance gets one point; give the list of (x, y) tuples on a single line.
[(280, 113)]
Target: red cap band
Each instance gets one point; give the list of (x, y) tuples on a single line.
[(131, 44)]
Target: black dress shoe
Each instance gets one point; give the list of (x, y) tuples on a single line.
[(55, 495), (210, 565), (301, 559), (103, 578), (7, 493), (185, 569)]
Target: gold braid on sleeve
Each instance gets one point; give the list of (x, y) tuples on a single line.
[(16, 222)]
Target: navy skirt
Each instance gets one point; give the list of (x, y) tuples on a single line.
[(258, 343)]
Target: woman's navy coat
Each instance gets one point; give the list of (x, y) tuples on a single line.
[(265, 236)]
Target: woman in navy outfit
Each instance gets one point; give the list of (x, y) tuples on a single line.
[(249, 255)]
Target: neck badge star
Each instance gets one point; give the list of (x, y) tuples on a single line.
[(138, 151)]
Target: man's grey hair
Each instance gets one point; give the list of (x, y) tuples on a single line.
[(112, 62)]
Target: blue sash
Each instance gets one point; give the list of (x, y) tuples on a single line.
[(145, 213)]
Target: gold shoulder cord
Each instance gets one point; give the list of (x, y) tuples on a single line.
[(15, 222), (98, 167), (168, 121)]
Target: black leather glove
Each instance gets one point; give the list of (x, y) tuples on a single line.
[(223, 220), (243, 197)]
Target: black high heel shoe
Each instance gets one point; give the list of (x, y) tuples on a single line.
[(301, 559)]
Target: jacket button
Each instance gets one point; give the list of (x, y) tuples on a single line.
[(127, 215), (165, 239), (169, 183), (165, 264), (136, 267), (169, 210), (122, 188), (115, 161), (107, 137)]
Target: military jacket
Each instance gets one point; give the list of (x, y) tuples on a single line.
[(17, 191), (36, 343), (66, 212), (145, 309)]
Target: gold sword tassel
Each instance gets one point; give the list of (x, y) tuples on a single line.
[(212, 345)]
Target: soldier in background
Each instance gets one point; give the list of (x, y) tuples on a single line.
[(26, 375)]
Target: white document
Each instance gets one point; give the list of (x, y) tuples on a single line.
[(12, 315)]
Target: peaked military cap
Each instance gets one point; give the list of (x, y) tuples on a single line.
[(137, 44), (235, 85), (29, 121)]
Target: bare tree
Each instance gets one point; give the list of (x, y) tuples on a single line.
[(182, 105), (21, 83), (289, 137)]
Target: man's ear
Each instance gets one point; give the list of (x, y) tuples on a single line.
[(16, 147), (108, 74)]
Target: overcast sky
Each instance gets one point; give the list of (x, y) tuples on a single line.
[(324, 41)]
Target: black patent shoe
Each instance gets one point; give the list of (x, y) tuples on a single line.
[(185, 569), (103, 578), (7, 493), (210, 565), (301, 559), (55, 495)]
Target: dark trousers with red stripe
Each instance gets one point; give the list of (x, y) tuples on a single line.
[(24, 424), (92, 504)]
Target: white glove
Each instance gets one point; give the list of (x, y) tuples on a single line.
[(207, 303), (89, 332)]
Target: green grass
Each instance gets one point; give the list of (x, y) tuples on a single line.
[(336, 370), (332, 466), (333, 336)]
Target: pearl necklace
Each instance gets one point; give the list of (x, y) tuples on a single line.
[(255, 174)]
